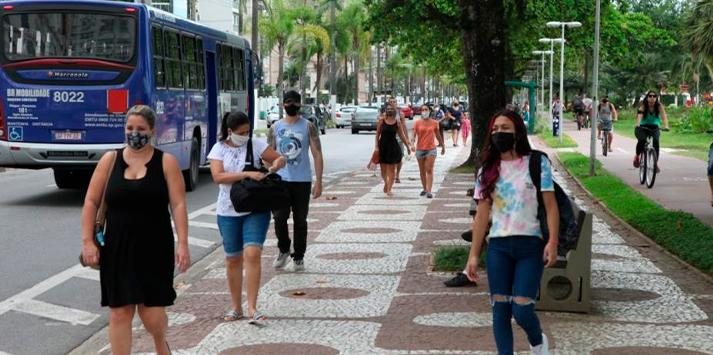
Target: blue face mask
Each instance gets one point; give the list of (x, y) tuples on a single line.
[(136, 140)]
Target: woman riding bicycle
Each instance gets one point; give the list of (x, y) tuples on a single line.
[(649, 117)]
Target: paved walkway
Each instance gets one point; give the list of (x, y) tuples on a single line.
[(369, 287), (681, 185)]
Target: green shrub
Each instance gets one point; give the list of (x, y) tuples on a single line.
[(695, 120)]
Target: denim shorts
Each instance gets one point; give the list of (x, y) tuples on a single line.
[(421, 154), (710, 160), (243, 231)]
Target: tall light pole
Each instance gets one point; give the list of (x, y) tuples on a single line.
[(552, 42), (595, 92), (542, 82), (562, 25)]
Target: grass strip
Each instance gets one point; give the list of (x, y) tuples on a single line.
[(554, 142), (679, 232), (454, 258)]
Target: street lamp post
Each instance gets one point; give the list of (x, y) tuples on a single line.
[(552, 42), (542, 82), (595, 92), (562, 25)]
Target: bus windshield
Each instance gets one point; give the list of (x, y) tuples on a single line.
[(69, 35)]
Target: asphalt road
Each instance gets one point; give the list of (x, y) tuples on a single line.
[(49, 304)]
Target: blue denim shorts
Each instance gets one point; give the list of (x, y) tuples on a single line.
[(710, 160), (422, 154), (243, 231)]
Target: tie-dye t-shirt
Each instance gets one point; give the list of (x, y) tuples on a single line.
[(514, 210)]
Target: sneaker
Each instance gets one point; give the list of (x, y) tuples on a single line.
[(281, 260), (429, 195), (542, 349), (636, 161), (299, 265), (459, 280), (423, 193)]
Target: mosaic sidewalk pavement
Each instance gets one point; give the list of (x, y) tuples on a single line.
[(368, 287)]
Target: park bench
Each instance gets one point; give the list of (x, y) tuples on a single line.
[(566, 287)]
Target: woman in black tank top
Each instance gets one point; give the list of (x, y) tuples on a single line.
[(388, 147)]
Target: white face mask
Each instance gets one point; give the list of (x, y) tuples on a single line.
[(238, 140)]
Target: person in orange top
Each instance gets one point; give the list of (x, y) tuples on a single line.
[(425, 133)]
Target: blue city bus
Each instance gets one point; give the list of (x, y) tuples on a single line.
[(72, 68)]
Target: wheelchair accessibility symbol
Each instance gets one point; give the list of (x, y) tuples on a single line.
[(16, 134)]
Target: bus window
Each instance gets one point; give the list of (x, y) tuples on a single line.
[(158, 48), (189, 68), (173, 59), (227, 76), (239, 65), (200, 67), (69, 34)]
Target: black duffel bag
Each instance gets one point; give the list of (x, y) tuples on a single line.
[(268, 194)]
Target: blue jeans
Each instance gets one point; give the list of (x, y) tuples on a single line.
[(514, 266), (243, 231)]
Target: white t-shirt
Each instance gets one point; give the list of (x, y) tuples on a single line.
[(233, 159), (514, 209)]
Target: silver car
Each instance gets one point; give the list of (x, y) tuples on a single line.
[(344, 116), (365, 119)]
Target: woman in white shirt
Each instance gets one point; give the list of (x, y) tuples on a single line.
[(243, 233), (517, 251)]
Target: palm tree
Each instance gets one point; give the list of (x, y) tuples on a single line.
[(277, 27), (333, 6), (308, 39), (355, 18), (699, 38)]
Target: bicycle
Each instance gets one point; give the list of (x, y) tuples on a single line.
[(580, 118), (606, 129), (648, 159)]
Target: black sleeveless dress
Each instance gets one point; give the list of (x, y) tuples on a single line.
[(137, 260), (389, 148)]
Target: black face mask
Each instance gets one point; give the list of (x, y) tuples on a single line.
[(292, 110), (503, 141)]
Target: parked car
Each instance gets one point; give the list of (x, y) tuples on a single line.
[(315, 115), (365, 119), (407, 111), (344, 116), (272, 116)]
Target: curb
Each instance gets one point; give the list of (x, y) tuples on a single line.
[(595, 200)]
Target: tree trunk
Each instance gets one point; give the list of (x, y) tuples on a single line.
[(379, 73), (332, 59), (254, 25), (280, 64), (356, 69), (371, 75), (386, 62), (484, 37), (346, 79), (318, 69)]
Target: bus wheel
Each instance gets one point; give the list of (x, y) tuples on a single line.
[(71, 179), (191, 175)]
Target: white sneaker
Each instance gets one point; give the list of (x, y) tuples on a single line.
[(299, 265), (281, 260), (542, 349)]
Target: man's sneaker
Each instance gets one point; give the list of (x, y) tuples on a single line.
[(281, 260), (429, 195), (299, 265), (542, 349), (459, 280)]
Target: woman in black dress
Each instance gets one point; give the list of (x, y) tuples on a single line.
[(388, 147), (137, 259)]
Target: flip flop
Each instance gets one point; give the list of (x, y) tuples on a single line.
[(232, 315), (257, 319)]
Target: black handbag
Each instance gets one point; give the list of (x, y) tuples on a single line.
[(268, 194)]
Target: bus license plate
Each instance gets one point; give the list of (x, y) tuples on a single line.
[(67, 136)]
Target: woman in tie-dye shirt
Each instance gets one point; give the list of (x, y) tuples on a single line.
[(517, 253)]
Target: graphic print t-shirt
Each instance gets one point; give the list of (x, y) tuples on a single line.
[(292, 141), (233, 159), (514, 210)]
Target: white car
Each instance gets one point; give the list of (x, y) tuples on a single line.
[(344, 116), (272, 116)]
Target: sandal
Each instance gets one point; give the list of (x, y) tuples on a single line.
[(257, 319), (232, 315), (397, 181)]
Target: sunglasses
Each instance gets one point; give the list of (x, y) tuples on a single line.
[(651, 95)]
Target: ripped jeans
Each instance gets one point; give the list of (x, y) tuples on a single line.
[(514, 265)]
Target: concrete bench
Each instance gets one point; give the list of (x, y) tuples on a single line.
[(566, 287)]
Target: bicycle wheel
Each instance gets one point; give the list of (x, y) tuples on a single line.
[(651, 162), (605, 143), (642, 167)]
